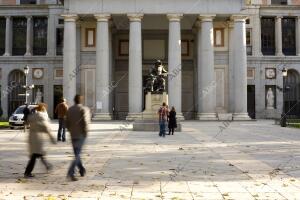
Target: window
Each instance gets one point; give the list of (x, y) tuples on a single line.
[(249, 41), (90, 37), (288, 36), (28, 2), (219, 37), (2, 35), (59, 41), (268, 36), (279, 2), (19, 36), (40, 28)]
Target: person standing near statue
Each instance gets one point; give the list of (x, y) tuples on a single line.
[(61, 111), (77, 121), (163, 116), (172, 121)]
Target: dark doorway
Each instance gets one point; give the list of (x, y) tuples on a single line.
[(292, 94), (16, 81), (58, 95), (251, 101)]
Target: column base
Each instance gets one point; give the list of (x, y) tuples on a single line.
[(179, 116), (28, 54), (102, 117), (134, 116), (241, 117), (279, 54), (6, 54), (207, 117)]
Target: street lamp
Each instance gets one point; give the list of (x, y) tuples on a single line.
[(283, 115), (27, 87)]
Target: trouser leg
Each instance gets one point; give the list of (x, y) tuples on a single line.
[(31, 164)]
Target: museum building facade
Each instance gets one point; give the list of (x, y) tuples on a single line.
[(224, 57)]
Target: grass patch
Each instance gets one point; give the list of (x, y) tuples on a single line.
[(4, 124), (294, 125)]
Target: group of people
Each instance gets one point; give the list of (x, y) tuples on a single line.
[(166, 116), (75, 119)]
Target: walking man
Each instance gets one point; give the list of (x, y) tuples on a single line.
[(163, 115), (77, 120), (61, 111)]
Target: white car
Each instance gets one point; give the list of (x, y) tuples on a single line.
[(17, 118)]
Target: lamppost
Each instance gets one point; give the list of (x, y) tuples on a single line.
[(26, 86), (283, 115)]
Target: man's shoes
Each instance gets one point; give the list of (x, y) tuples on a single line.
[(28, 175), (82, 172), (72, 178), (58, 140), (63, 140)]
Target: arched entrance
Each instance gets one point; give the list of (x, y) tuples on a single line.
[(16, 81), (292, 96)]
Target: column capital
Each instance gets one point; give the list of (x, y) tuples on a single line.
[(29, 17), (135, 17), (8, 17), (206, 18), (230, 24), (239, 18), (70, 17), (174, 17), (104, 17), (279, 17), (298, 17)]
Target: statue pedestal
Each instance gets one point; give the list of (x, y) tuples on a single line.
[(149, 119)]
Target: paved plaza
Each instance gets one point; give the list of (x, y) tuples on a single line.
[(208, 160)]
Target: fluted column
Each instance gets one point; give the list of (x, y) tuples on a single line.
[(298, 35), (206, 70), (240, 68), (8, 36), (135, 90), (102, 68), (69, 58), (174, 63), (29, 36), (278, 35)]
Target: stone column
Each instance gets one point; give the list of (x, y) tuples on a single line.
[(103, 88), (29, 36), (278, 36), (206, 70), (69, 58), (298, 35), (231, 68), (135, 90), (240, 69), (256, 35), (51, 36), (8, 36), (174, 64)]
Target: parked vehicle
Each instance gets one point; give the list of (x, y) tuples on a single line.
[(17, 118)]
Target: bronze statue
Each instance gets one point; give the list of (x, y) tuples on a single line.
[(156, 80)]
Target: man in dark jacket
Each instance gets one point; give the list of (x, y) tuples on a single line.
[(61, 111), (77, 120)]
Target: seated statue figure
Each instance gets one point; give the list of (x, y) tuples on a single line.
[(156, 79)]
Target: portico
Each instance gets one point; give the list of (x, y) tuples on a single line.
[(189, 52)]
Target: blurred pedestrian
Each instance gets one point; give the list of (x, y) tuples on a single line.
[(26, 113), (61, 111), (163, 116), (172, 121), (39, 125), (77, 121)]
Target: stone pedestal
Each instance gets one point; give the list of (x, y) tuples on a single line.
[(148, 120)]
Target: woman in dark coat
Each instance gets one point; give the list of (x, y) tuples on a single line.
[(172, 121)]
